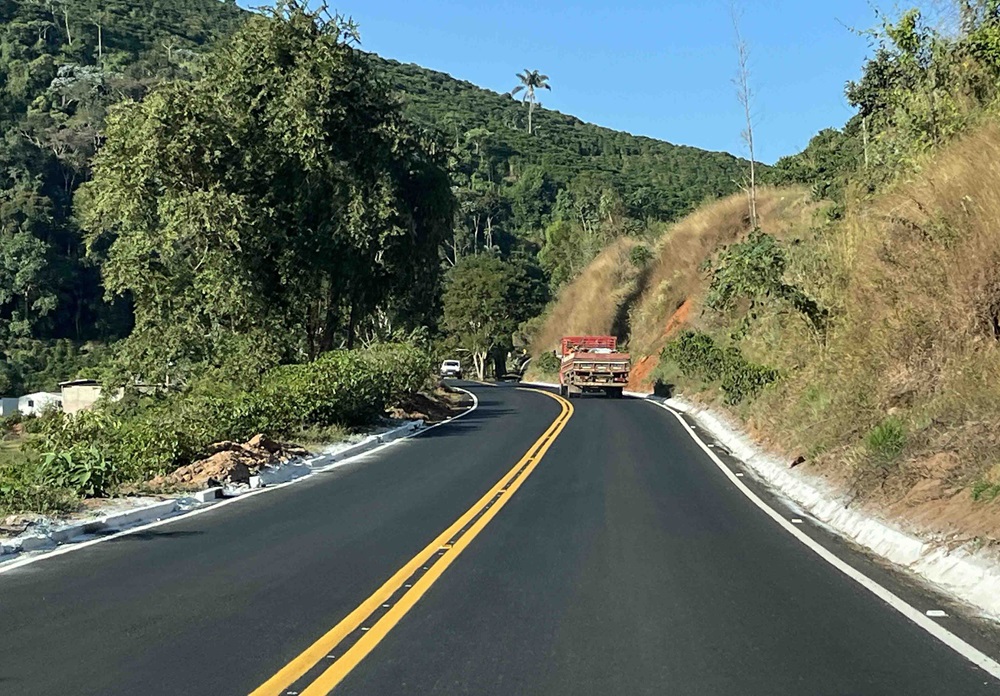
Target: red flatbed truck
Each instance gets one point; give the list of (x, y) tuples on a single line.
[(592, 364)]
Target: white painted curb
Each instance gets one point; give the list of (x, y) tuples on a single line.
[(969, 575)]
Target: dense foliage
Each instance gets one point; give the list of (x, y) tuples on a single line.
[(279, 201), (753, 272), (921, 87), (698, 356), (488, 132), (63, 63), (96, 452), (485, 301)]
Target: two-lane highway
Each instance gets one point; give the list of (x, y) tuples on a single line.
[(608, 555)]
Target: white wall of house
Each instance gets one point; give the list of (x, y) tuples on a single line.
[(33, 404), (80, 395)]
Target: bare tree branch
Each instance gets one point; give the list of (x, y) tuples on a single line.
[(745, 96)]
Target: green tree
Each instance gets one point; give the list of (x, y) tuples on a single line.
[(280, 198), (531, 80), (485, 301), (26, 289)]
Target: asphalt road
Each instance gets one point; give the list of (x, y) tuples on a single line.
[(624, 563)]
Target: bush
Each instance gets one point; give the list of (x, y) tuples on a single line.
[(984, 491), (697, 356), (94, 452), (886, 441), (26, 486), (754, 270), (547, 363), (640, 256)]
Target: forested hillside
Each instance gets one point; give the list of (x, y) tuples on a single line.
[(63, 63), (543, 202), (658, 180)]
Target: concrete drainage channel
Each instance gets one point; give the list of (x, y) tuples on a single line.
[(13, 550)]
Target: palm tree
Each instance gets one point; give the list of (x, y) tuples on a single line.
[(530, 81)]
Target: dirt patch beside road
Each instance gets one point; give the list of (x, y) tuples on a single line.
[(432, 407), (227, 463)]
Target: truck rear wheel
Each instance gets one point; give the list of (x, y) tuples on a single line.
[(562, 390), (614, 392)]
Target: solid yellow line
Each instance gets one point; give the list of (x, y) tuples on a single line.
[(299, 666), (328, 681)]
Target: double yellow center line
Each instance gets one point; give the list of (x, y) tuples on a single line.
[(372, 620)]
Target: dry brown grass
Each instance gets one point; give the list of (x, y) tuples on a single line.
[(915, 280), (592, 304), (924, 295), (678, 274), (612, 295)]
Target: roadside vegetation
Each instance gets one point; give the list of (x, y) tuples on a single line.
[(213, 213), (86, 76), (856, 328), (103, 451)]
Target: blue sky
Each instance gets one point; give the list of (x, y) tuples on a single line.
[(661, 68)]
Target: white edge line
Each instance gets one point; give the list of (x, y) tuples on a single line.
[(68, 547), (972, 654)]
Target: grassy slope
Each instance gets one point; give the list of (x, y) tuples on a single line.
[(901, 402), (644, 301)]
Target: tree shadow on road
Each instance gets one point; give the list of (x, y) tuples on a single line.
[(151, 534), (470, 422)]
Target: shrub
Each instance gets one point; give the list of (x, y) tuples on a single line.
[(83, 470), (93, 452), (984, 491), (754, 271), (547, 363), (26, 486), (886, 441), (640, 256), (698, 356)]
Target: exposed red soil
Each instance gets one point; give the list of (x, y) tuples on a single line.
[(641, 376)]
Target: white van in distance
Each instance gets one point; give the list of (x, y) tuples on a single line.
[(451, 368)]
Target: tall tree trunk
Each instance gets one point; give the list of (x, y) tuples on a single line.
[(499, 364), (531, 108)]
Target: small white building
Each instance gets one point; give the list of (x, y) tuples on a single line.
[(80, 394), (34, 404)]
